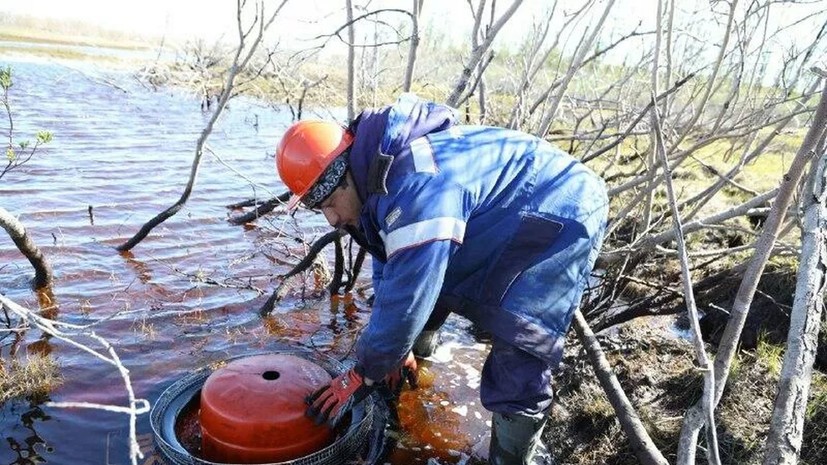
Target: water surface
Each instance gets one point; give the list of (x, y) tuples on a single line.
[(189, 293)]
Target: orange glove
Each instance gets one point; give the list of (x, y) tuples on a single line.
[(331, 402)]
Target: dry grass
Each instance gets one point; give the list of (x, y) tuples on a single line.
[(37, 375)]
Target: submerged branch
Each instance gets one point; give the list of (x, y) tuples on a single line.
[(303, 265), (24, 243), (261, 209)]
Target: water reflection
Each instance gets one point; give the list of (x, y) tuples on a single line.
[(28, 447)]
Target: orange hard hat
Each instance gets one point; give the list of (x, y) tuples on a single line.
[(305, 151)]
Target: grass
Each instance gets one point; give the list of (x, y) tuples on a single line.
[(35, 376), (57, 53), (55, 39)]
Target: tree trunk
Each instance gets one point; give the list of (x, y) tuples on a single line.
[(409, 69), (42, 270), (477, 54), (351, 58), (704, 363), (746, 291), (787, 425)]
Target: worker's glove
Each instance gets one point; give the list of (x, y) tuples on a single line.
[(405, 371), (331, 402)]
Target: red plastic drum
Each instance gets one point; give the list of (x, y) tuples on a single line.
[(252, 410)]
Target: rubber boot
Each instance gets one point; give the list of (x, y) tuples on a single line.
[(515, 440), (426, 343)]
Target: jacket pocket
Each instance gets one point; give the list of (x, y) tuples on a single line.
[(534, 235)]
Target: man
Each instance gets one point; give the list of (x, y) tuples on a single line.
[(494, 224)]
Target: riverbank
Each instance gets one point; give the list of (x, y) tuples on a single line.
[(70, 40)]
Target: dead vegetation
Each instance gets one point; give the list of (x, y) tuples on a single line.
[(32, 377), (721, 125), (660, 377)]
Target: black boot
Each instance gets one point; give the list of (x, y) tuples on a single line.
[(426, 343)]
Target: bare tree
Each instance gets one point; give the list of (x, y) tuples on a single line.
[(409, 68), (243, 54), (786, 428), (351, 58), (583, 47), (704, 362), (694, 420), (479, 50)]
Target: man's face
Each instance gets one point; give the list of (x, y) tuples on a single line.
[(343, 207)]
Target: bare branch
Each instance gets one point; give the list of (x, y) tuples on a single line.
[(700, 351), (645, 449), (743, 299), (43, 271), (304, 264), (238, 64), (477, 53)]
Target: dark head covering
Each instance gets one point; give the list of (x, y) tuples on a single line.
[(332, 178)]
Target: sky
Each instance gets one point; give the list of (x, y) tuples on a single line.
[(304, 19), (172, 17), (191, 18)]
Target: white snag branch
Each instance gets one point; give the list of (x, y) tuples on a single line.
[(693, 421), (69, 334), (787, 424)]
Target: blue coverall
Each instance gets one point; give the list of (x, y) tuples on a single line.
[(499, 226)]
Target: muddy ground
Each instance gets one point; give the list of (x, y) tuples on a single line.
[(656, 368)]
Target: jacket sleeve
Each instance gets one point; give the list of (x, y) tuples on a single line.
[(377, 274), (422, 223), (410, 284)]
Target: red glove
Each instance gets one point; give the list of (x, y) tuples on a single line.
[(331, 402), (406, 370)]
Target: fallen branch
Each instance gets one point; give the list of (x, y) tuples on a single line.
[(261, 209), (645, 449), (53, 328), (304, 264)]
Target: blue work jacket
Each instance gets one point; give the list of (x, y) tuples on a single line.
[(499, 225)]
